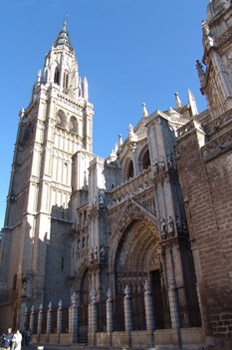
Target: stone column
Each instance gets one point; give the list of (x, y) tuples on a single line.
[(174, 309), (25, 318), (92, 310), (149, 312), (73, 321), (32, 316), (109, 316), (128, 313), (59, 320), (49, 320), (40, 318)]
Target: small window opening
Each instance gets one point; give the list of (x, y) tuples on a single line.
[(130, 170), (57, 76), (15, 282)]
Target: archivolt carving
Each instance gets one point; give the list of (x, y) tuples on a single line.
[(138, 253)]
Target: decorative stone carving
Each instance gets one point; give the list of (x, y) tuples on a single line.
[(127, 291), (101, 201), (205, 28), (95, 254), (93, 295), (74, 299), (147, 287)]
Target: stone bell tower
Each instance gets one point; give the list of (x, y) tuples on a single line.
[(216, 80), (56, 124)]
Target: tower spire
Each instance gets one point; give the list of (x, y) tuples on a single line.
[(63, 36)]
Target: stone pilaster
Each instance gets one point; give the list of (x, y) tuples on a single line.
[(73, 322), (174, 309), (149, 312), (109, 315), (32, 316), (59, 319), (128, 313), (25, 318), (92, 318), (40, 319), (49, 320)]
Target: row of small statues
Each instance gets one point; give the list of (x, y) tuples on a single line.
[(96, 256), (168, 229), (160, 165)]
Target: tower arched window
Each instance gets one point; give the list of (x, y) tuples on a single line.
[(57, 76), (60, 119), (130, 172), (73, 124), (65, 80)]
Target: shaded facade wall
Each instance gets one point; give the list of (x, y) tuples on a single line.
[(207, 188)]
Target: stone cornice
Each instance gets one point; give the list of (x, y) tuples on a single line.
[(216, 124), (188, 129), (217, 146)]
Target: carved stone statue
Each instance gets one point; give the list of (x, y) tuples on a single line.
[(156, 167), (101, 201), (102, 254), (163, 231), (179, 224), (91, 257), (95, 254), (162, 165), (205, 28), (170, 227)]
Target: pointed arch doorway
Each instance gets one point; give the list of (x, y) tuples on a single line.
[(137, 259)]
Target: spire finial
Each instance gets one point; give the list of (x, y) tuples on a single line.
[(65, 20), (145, 112), (178, 101)]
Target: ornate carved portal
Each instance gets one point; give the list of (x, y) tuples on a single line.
[(138, 254)]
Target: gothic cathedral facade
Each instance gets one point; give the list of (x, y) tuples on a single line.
[(154, 216)]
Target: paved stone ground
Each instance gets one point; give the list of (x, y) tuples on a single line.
[(49, 347)]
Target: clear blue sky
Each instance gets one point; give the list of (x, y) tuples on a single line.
[(131, 51)]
